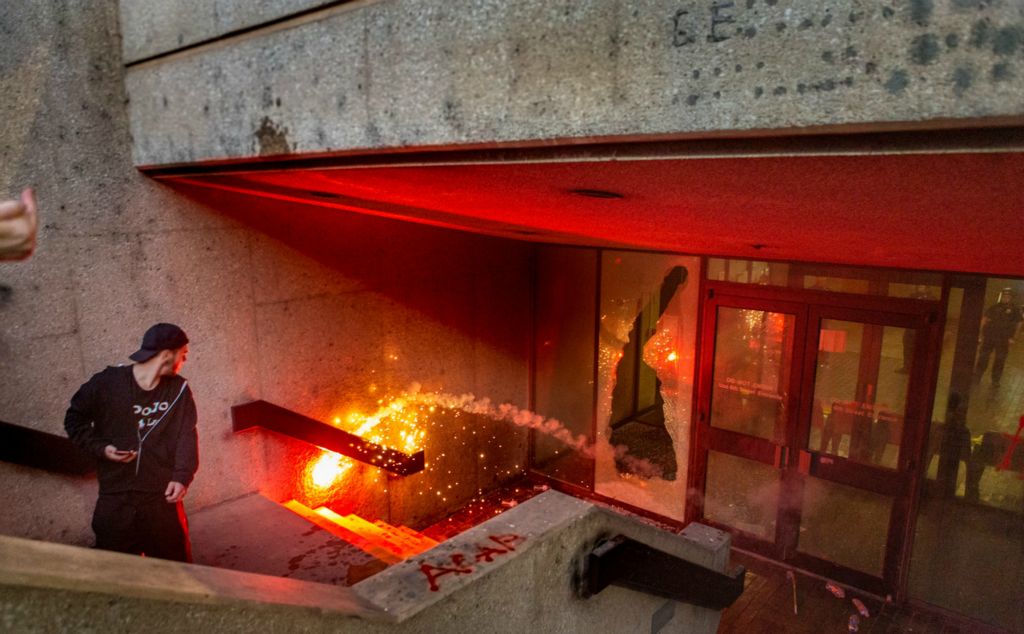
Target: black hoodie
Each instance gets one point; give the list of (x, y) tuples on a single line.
[(160, 424)]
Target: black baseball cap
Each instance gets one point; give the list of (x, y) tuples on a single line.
[(159, 337)]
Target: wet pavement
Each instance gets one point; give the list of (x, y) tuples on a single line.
[(767, 606)]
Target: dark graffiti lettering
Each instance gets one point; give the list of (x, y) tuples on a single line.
[(688, 24), (682, 33), (718, 18)]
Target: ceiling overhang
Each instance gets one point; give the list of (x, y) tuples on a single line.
[(949, 201)]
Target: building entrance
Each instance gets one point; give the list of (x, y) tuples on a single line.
[(811, 416)]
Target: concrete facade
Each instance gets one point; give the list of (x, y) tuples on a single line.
[(397, 73), (309, 318)]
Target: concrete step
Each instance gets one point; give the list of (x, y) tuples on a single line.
[(395, 536), (330, 522), (388, 543), (425, 540), (410, 539), (385, 535)]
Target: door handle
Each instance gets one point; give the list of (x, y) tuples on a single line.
[(804, 465), (781, 456)]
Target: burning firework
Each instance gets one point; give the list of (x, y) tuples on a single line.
[(405, 423), (401, 423)]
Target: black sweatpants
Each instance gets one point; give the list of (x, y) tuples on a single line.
[(1001, 350), (142, 523)]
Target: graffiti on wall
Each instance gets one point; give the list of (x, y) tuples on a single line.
[(467, 563)]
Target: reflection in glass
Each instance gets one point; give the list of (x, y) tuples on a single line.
[(836, 284), (638, 422), (860, 390), (836, 279), (1000, 328), (753, 353), (748, 271), (844, 525), (564, 372), (970, 524), (742, 494), (646, 343)]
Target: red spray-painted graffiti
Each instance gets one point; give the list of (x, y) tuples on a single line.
[(484, 553)]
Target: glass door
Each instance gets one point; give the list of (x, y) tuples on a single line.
[(803, 437), (749, 415), (854, 466)]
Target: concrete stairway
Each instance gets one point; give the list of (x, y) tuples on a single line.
[(390, 544)]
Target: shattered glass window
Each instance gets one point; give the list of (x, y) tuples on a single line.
[(645, 366)]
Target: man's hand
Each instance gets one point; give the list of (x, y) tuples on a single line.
[(114, 454), (18, 222), (175, 492)]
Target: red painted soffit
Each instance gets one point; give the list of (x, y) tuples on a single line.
[(947, 212)]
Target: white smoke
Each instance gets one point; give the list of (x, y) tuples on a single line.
[(505, 412)]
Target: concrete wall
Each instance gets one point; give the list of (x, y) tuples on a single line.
[(397, 73), (299, 306)]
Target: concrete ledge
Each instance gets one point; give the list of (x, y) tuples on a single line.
[(418, 583), (539, 547), (513, 573), (28, 563)]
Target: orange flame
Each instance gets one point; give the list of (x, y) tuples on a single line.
[(325, 472)]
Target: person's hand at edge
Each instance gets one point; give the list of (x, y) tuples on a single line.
[(19, 221), (112, 453), (175, 492)]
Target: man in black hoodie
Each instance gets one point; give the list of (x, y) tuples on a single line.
[(139, 422)]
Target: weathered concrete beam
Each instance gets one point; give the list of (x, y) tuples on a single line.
[(157, 27), (404, 73)]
